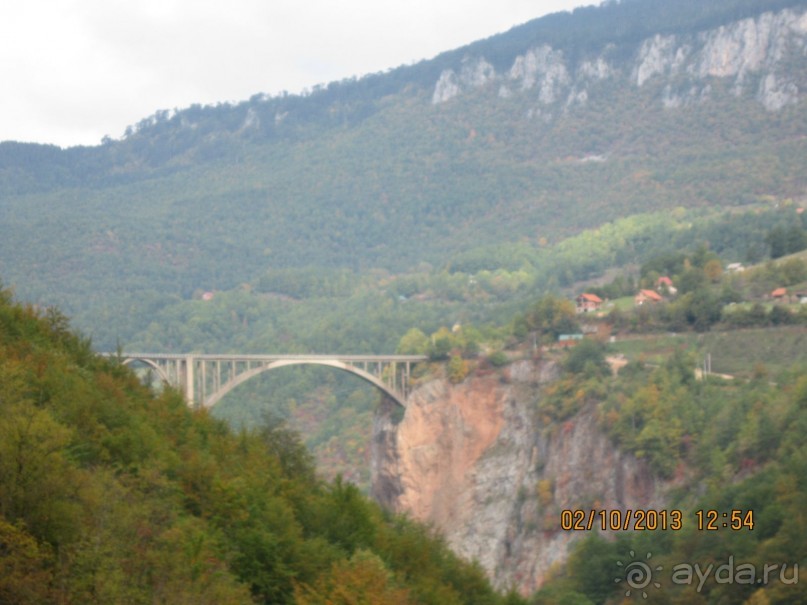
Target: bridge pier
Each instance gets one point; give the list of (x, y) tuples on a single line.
[(190, 381)]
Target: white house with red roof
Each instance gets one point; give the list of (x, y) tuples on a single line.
[(587, 303)]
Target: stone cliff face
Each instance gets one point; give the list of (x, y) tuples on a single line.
[(751, 56), (470, 459)]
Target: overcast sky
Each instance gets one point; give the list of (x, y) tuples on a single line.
[(73, 71)]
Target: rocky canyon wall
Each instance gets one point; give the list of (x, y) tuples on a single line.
[(471, 460)]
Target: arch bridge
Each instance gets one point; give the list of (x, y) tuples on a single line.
[(205, 378)]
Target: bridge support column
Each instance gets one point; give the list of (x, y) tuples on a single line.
[(190, 381), (178, 374)]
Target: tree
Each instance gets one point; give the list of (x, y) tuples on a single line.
[(24, 567), (457, 369), (414, 342), (587, 356), (441, 344), (794, 271), (286, 444), (670, 263), (591, 568), (777, 240), (346, 518), (37, 481), (702, 309), (796, 239), (692, 279), (713, 270), (780, 315), (551, 316), (363, 580)]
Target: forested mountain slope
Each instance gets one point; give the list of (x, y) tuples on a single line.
[(558, 125), (112, 494)]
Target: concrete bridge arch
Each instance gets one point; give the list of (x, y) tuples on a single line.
[(282, 363), (160, 370), (205, 379)]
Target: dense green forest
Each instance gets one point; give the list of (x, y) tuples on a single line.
[(110, 493)]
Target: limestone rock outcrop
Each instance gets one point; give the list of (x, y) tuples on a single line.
[(750, 55), (471, 459)]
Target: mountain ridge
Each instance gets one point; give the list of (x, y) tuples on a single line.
[(583, 27), (739, 50)]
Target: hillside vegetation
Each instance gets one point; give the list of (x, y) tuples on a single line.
[(112, 494), (733, 447)]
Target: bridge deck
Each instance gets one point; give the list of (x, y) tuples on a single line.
[(272, 357)]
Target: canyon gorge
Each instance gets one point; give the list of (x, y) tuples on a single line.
[(476, 461)]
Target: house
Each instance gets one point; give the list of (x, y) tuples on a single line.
[(588, 302), (647, 296), (780, 294), (664, 285), (735, 268), (801, 297)]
